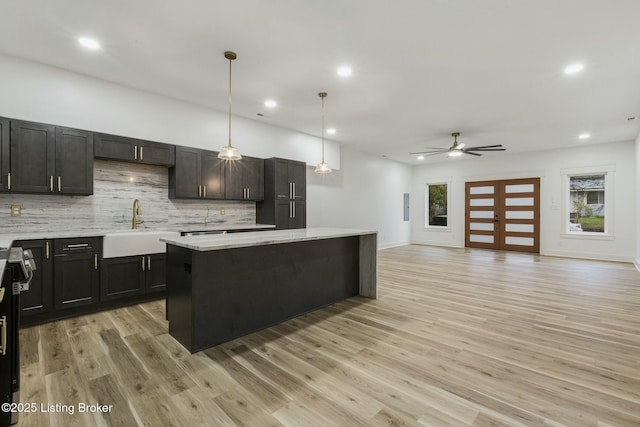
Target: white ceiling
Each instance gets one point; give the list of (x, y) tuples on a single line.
[(491, 69)]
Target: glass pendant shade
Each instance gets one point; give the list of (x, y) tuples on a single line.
[(229, 152), (323, 167)]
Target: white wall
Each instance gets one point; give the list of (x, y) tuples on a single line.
[(547, 165), (36, 92), (637, 221), (366, 193)]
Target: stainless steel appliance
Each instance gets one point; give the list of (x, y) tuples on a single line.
[(16, 278)]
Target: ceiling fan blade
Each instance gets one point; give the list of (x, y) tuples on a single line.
[(487, 149), (481, 147), (432, 152), (470, 152)]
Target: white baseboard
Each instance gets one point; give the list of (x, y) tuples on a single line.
[(393, 245), (589, 255), (436, 243)]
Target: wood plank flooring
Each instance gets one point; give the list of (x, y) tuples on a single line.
[(460, 337)]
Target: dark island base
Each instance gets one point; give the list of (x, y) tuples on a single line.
[(216, 296)]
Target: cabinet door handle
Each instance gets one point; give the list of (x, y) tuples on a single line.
[(142, 263), (199, 190), (9, 181), (248, 193), (51, 183), (290, 210), (294, 208), (204, 191), (141, 152), (135, 152), (3, 343), (294, 190), (291, 190), (95, 261), (59, 183), (148, 263), (46, 250)]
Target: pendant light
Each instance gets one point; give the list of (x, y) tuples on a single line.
[(229, 152), (322, 166)]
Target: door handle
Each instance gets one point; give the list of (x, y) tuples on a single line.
[(51, 183), (290, 211), (248, 193), (199, 190), (46, 250), (95, 261), (149, 263), (141, 152), (143, 264), (9, 181), (59, 183), (294, 208), (135, 152), (204, 191), (294, 190)]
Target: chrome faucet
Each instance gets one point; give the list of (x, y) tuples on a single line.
[(137, 210)]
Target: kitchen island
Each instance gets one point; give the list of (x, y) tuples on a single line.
[(221, 287)]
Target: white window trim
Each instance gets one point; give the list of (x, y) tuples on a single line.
[(437, 181), (609, 178)]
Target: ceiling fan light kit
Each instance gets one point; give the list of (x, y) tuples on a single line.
[(458, 149)]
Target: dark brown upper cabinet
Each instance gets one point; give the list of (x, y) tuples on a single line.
[(197, 174), (244, 179), (113, 147), (5, 175), (49, 159), (285, 192)]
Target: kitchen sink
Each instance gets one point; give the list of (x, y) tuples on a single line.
[(135, 242)]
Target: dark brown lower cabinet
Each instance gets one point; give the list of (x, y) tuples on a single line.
[(39, 298), (76, 279), (133, 275)]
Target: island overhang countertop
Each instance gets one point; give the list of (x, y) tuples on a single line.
[(247, 239)]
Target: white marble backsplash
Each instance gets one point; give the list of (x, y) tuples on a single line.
[(116, 186)]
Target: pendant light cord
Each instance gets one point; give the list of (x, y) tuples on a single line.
[(322, 129), (229, 144)]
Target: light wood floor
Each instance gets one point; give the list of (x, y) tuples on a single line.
[(458, 337)]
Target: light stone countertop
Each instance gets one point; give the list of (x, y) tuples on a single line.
[(7, 239), (242, 240)]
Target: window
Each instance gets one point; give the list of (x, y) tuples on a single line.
[(436, 205), (587, 208)]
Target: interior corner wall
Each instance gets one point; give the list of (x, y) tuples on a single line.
[(547, 165), (367, 193)]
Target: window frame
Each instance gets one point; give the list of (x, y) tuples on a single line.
[(439, 181), (609, 173)]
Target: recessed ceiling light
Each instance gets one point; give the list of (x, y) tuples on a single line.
[(420, 157), (584, 136), (344, 71), (331, 131), (270, 103), (574, 68), (89, 43)]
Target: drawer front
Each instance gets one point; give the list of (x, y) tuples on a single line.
[(77, 245)]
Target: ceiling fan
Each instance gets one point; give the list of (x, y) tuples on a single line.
[(457, 149)]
